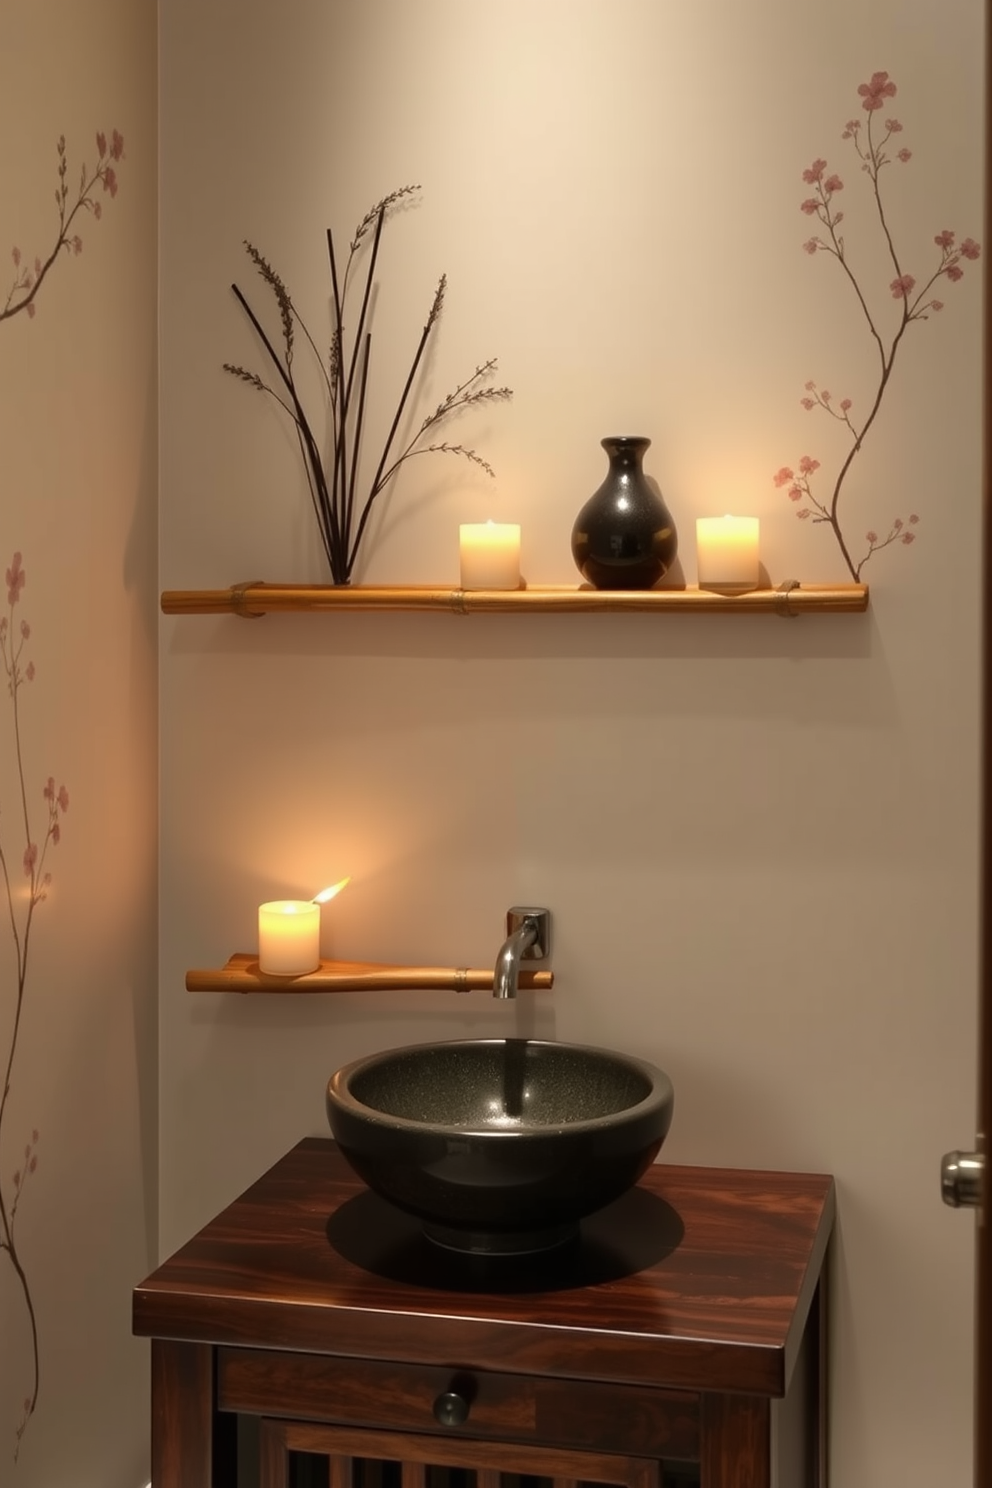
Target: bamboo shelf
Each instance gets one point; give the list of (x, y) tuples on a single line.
[(257, 598), (242, 974)]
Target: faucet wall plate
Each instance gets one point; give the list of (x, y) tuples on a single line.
[(540, 948)]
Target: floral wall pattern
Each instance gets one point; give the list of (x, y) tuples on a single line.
[(20, 672), (14, 637), (872, 145), (27, 280), (77, 744)]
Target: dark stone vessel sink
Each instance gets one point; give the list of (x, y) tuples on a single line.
[(499, 1146)]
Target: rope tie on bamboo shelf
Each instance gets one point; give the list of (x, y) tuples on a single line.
[(785, 608), (458, 601), (239, 602), (461, 978)]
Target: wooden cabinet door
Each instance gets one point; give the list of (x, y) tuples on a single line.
[(422, 1459)]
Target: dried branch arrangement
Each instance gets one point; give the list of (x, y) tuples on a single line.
[(341, 504)]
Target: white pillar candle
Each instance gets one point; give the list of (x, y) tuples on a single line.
[(288, 937), (727, 553), (490, 555)]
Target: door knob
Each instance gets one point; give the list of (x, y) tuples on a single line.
[(962, 1177)]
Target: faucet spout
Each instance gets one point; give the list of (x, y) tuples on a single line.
[(528, 939), (507, 972)]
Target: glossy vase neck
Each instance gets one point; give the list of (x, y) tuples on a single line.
[(626, 450)]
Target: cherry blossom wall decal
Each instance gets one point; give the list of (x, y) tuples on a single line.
[(20, 868), (35, 816), (873, 145)]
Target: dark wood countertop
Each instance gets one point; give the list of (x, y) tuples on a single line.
[(697, 1279)]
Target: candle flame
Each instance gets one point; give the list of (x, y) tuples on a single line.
[(332, 892)]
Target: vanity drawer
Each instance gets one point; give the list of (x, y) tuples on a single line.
[(525, 1408)]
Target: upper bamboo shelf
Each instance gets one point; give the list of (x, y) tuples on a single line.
[(242, 974), (258, 598)]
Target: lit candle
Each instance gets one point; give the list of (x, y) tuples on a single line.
[(490, 555), (727, 553), (326, 895), (288, 937)]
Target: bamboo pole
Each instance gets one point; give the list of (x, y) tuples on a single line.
[(258, 598), (242, 974)]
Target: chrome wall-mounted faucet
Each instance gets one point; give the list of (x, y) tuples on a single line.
[(528, 933)]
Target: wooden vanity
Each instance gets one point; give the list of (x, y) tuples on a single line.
[(681, 1341)]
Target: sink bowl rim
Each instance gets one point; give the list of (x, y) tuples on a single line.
[(660, 1092)]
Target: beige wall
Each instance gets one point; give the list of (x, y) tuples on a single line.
[(758, 837), (78, 434)]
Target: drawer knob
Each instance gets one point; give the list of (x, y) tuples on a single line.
[(451, 1409)]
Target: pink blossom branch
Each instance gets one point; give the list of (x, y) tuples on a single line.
[(876, 162), (22, 1175), (914, 305), (13, 640), (27, 282), (821, 206), (22, 296), (897, 533)]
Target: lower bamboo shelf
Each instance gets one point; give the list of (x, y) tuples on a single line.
[(242, 974), (258, 598)]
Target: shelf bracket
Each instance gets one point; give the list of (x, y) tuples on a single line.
[(785, 609), (239, 599)]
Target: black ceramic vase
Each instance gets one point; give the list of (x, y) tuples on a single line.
[(624, 536)]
